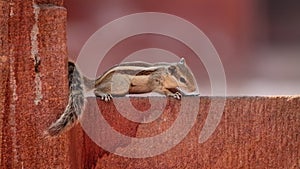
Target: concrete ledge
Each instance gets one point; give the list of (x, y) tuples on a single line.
[(253, 132)]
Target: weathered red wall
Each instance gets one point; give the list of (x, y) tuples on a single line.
[(254, 132), (32, 94)]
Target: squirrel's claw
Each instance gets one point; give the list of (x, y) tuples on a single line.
[(103, 96), (176, 95), (106, 97)]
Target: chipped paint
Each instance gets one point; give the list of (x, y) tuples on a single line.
[(11, 10), (12, 113), (35, 56)]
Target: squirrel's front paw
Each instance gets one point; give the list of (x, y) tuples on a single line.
[(176, 95), (104, 96)]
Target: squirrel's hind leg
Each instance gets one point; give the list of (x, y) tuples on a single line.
[(118, 85), (103, 96)]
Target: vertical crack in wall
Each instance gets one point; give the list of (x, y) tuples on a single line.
[(12, 113), (35, 56)]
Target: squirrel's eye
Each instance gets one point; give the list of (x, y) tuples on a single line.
[(182, 80)]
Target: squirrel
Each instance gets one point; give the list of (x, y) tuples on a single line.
[(170, 79)]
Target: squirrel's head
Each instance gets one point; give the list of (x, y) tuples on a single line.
[(184, 76)]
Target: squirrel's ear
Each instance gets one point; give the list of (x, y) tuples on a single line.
[(182, 61), (171, 69)]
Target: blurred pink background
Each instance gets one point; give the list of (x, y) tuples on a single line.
[(258, 41)]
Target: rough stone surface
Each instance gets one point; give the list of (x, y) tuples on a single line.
[(254, 132), (33, 85)]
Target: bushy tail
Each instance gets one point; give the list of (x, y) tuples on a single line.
[(75, 105)]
